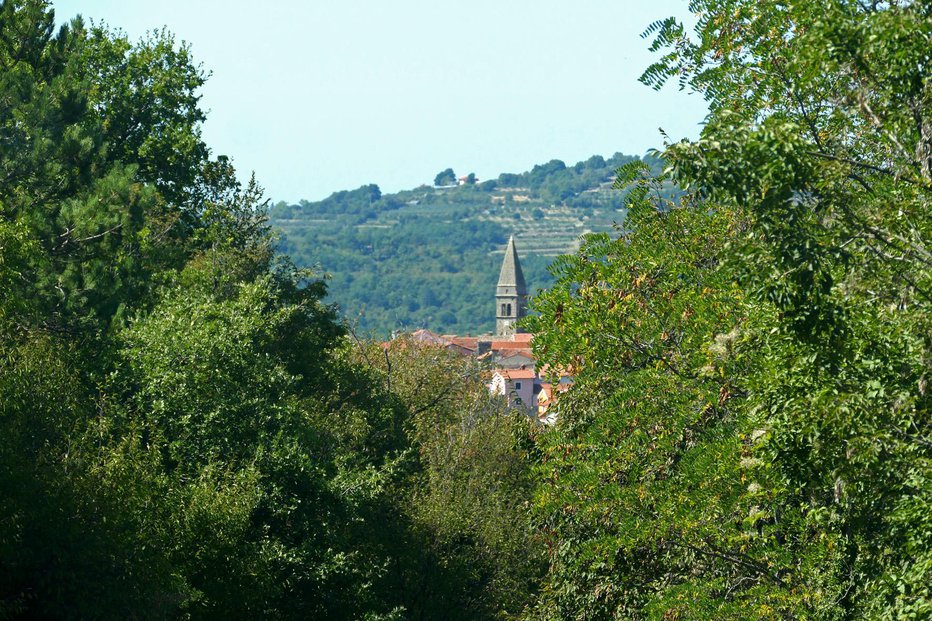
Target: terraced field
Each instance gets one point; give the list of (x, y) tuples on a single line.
[(558, 232)]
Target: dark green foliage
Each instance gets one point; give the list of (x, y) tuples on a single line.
[(185, 429), (445, 177)]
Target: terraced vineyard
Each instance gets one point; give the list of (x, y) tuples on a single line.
[(429, 257), (558, 231)]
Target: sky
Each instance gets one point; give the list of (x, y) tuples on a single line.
[(318, 96)]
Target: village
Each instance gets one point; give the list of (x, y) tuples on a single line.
[(511, 369)]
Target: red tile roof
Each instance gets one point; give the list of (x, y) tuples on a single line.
[(426, 336), (468, 342), (515, 352), (517, 373)]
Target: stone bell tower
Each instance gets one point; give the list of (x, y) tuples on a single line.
[(510, 294)]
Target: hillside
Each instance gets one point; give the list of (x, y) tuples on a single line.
[(429, 257)]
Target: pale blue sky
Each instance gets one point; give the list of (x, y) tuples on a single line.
[(319, 96)]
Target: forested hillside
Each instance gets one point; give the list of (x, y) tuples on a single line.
[(429, 257)]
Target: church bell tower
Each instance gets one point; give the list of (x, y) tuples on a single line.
[(510, 294)]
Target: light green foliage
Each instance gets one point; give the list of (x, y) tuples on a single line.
[(645, 495), (467, 498), (809, 495), (826, 150)]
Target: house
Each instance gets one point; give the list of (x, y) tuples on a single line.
[(516, 385)]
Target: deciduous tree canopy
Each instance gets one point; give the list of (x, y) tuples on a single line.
[(749, 433), (185, 430)]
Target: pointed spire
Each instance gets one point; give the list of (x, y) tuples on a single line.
[(511, 274)]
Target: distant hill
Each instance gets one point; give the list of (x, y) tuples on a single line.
[(429, 257)]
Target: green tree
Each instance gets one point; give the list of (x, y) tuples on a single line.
[(185, 431), (819, 132), (111, 506), (445, 177), (644, 497), (468, 551), (807, 221)]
